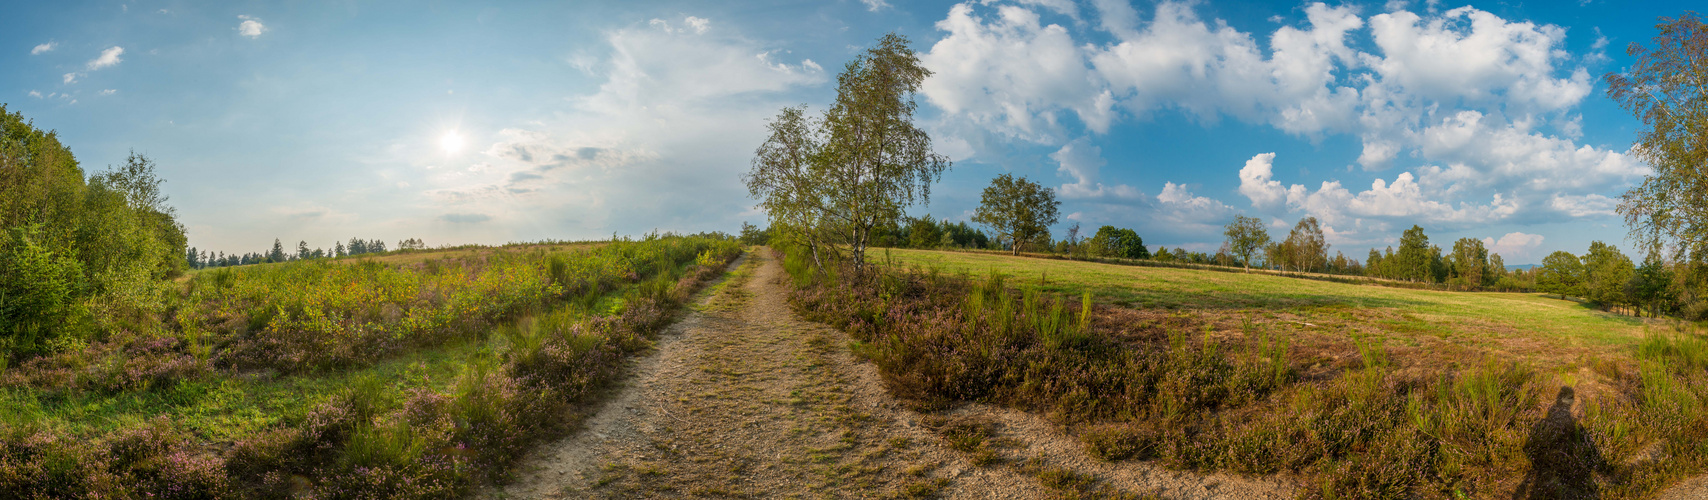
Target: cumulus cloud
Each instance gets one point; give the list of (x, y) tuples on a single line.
[(109, 91), (46, 47), (1178, 205), (35, 94), (1514, 245), (1484, 103), (1082, 161), (69, 78), (1013, 74), (874, 5), (251, 26), (108, 57)]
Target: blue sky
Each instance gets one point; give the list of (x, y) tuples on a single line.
[(477, 122)]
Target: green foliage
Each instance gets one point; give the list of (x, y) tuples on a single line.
[(842, 179), (38, 293), (1562, 273), (1246, 237), (1111, 241), (1606, 272), (1665, 88), (1019, 210), (84, 256)]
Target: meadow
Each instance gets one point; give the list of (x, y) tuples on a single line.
[(1352, 391), (414, 374)]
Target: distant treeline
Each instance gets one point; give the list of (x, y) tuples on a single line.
[(200, 259)]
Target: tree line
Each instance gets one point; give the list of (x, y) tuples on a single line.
[(201, 259)]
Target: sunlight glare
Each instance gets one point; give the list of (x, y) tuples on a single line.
[(451, 142)]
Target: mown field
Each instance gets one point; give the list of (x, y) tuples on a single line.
[(413, 374), (1537, 326), (1350, 391)]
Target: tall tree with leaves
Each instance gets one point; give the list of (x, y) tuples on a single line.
[(1305, 248), (1562, 274), (1667, 88), (1246, 238), (1018, 210), (837, 180), (1470, 262)]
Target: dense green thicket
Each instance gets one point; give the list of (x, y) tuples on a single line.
[(80, 256)]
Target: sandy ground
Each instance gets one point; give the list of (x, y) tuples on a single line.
[(744, 399)]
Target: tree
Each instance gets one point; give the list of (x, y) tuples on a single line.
[(1606, 271), (302, 250), (1246, 237), (1018, 210), (1113, 241), (923, 233), (1415, 261), (836, 180), (338, 249), (278, 252), (1470, 263), (1305, 248), (1666, 87), (1650, 285), (1562, 274)]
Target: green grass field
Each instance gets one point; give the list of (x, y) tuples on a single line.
[(1496, 321)]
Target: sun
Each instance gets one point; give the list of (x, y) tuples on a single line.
[(451, 142)]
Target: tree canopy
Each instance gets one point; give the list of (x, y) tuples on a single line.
[(1018, 210), (1246, 237), (833, 181), (1666, 87)]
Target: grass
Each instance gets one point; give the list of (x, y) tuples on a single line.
[(1353, 391), (1522, 317), (384, 376)]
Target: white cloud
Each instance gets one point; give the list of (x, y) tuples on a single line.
[(1256, 182), (251, 26), (678, 111), (1590, 205), (109, 92), (1176, 203), (697, 24), (69, 78), (1514, 245), (1082, 161), (874, 5), (1442, 59), (108, 57), (1482, 102), (43, 48), (35, 94), (1013, 75)]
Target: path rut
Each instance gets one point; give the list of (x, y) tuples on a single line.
[(744, 399)]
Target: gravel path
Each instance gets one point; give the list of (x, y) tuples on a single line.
[(744, 399)]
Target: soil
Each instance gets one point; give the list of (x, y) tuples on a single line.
[(742, 398)]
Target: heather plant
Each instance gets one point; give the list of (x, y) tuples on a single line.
[(1371, 426), (335, 379)]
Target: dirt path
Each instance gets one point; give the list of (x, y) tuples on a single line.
[(744, 399)]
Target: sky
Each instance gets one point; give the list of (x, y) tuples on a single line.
[(492, 122)]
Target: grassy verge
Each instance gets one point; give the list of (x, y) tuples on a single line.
[(1344, 411), (415, 379)]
